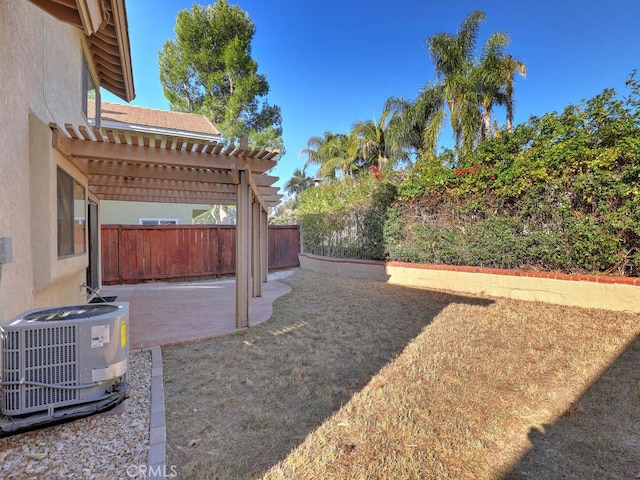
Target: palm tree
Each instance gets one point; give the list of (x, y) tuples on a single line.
[(312, 150), (495, 76), (472, 87), (298, 182), (370, 137), (333, 153), (453, 59), (511, 66), (340, 153), (487, 76), (414, 127)]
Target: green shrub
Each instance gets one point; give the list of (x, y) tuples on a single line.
[(345, 218), (562, 192)]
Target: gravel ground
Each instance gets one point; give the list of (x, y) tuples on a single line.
[(103, 446)]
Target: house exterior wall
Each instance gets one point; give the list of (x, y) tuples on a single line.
[(129, 213), (40, 82)]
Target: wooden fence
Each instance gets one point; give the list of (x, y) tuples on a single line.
[(141, 253)]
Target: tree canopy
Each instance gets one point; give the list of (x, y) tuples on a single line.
[(208, 69)]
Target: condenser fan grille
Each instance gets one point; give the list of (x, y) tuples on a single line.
[(66, 313), (11, 370), (49, 356)]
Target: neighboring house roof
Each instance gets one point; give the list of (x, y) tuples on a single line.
[(156, 121), (104, 23)]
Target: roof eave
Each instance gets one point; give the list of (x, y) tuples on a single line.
[(104, 24), (122, 31)]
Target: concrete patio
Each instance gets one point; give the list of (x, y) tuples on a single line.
[(165, 313)]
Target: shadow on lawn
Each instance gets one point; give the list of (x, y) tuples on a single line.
[(238, 405), (598, 436)]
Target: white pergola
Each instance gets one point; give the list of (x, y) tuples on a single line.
[(142, 167)]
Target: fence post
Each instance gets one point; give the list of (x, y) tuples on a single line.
[(118, 242)]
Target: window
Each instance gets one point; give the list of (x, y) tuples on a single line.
[(71, 216), (90, 96), (158, 221)]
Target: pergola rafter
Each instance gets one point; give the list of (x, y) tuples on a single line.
[(122, 158)]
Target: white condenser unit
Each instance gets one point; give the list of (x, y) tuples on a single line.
[(57, 358)]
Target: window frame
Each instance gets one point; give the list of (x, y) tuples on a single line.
[(89, 84), (157, 221), (71, 204)]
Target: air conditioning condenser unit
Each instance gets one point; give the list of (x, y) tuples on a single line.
[(63, 362)]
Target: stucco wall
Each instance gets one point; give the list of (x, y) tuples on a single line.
[(130, 213), (40, 82), (618, 294)]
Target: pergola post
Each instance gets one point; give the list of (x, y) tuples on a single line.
[(264, 244), (243, 250), (256, 251)]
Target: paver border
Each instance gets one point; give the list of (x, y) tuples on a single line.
[(156, 458), (157, 424)]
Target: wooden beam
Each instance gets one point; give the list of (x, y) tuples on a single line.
[(265, 180), (99, 168), (266, 191), (264, 244), (109, 73), (271, 155), (107, 58), (260, 192), (92, 16), (121, 171), (156, 156), (108, 33), (243, 232), (86, 133), (184, 200), (66, 3), (95, 41), (160, 193), (154, 184), (272, 198), (140, 155), (255, 250), (63, 13)]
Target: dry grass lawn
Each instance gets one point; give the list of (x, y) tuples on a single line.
[(356, 379)]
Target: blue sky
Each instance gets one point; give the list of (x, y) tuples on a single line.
[(334, 62)]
